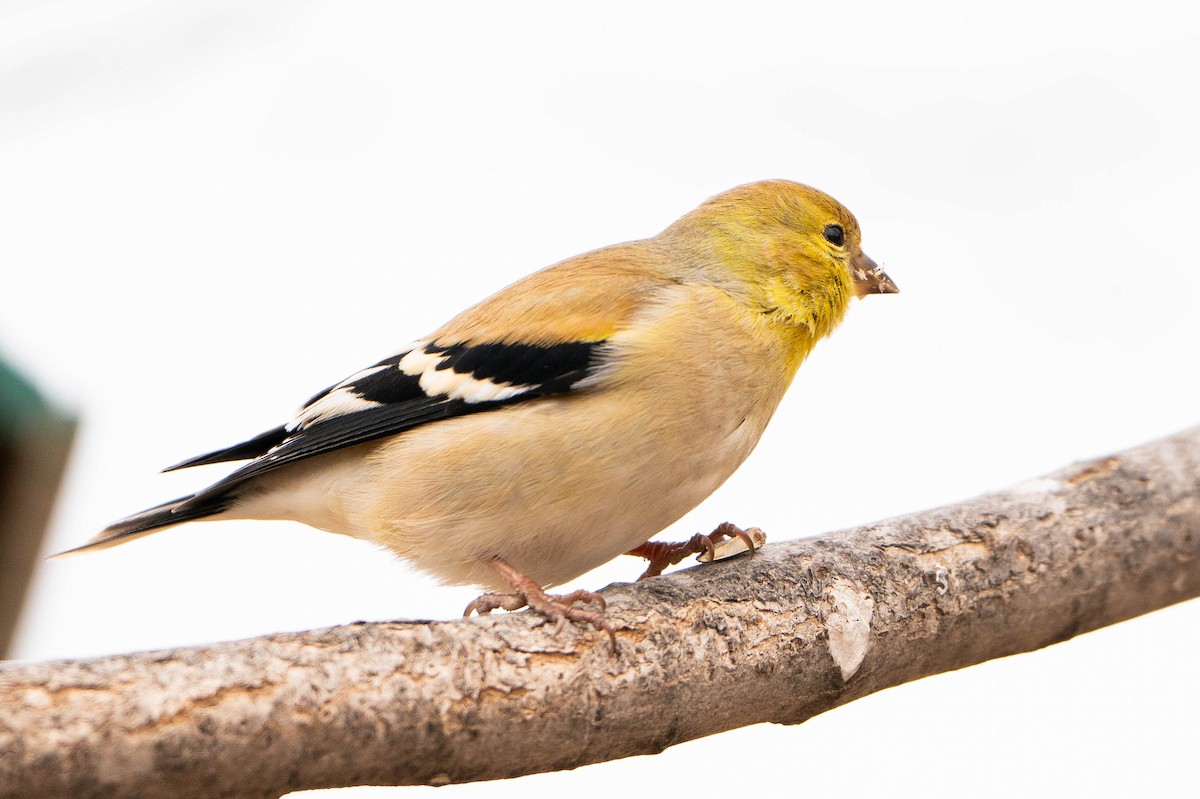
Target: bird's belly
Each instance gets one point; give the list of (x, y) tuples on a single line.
[(554, 506)]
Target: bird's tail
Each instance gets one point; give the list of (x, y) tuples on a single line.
[(153, 519)]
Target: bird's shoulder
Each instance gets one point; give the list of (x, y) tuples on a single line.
[(585, 298), (543, 334)]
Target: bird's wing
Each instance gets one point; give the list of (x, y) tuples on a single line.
[(485, 359), (424, 384)]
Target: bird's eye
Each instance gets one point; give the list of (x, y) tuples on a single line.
[(835, 235)]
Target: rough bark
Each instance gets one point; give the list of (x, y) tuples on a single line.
[(793, 631)]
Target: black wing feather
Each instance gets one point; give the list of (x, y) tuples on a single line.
[(398, 403), (259, 445)]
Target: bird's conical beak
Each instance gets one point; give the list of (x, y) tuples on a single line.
[(869, 278)]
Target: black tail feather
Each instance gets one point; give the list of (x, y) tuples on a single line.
[(167, 514)]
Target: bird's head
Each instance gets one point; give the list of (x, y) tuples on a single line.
[(782, 248)]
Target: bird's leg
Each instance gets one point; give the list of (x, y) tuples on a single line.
[(661, 554), (559, 608)]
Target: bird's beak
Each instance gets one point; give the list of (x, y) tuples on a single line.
[(869, 278)]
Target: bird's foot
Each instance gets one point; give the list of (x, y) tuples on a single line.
[(560, 608), (662, 554)]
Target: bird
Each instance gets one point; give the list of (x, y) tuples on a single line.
[(569, 417)]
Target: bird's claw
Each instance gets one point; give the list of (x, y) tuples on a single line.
[(661, 554), (724, 538), (559, 608)]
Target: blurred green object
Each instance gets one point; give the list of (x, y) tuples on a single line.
[(35, 441), (20, 402)]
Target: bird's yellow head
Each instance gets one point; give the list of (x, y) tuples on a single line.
[(784, 249)]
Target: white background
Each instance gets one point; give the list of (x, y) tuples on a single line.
[(209, 210)]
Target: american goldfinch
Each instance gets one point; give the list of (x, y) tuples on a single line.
[(569, 417)]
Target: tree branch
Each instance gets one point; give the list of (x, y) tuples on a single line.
[(797, 629)]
